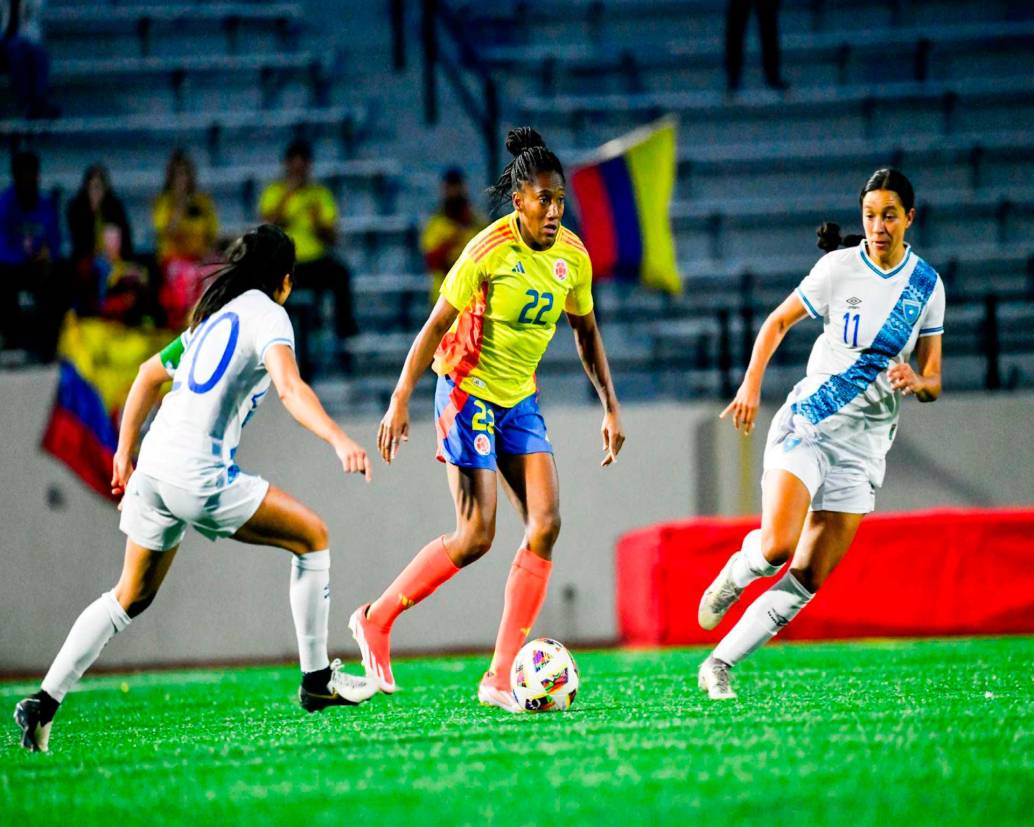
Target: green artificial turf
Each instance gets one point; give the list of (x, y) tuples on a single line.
[(877, 733)]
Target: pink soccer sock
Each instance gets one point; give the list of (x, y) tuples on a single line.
[(426, 572), (525, 593)]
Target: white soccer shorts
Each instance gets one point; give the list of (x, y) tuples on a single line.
[(155, 514), (840, 475)]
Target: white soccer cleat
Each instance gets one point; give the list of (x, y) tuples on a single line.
[(719, 596), (494, 696), (375, 648), (713, 678)]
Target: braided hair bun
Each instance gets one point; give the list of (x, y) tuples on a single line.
[(522, 138)]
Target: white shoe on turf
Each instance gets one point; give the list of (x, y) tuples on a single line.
[(489, 695), (713, 678), (719, 597)]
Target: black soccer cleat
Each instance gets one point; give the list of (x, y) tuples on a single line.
[(342, 689), (28, 714)]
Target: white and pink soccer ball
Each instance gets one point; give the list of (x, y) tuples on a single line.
[(544, 677)]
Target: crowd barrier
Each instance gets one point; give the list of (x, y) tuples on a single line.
[(931, 573)]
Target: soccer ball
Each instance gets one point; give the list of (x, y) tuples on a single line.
[(544, 677)]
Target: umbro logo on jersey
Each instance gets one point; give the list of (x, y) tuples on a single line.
[(518, 268), (854, 301)]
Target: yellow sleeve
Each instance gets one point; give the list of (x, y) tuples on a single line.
[(269, 199), (327, 206), (463, 282), (161, 214), (435, 232), (579, 300), (211, 219)]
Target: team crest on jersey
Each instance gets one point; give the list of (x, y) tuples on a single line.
[(560, 269), (482, 445), (911, 310)]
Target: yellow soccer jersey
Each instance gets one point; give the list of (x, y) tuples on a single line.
[(510, 298)]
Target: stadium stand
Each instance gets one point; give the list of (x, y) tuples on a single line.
[(953, 106)]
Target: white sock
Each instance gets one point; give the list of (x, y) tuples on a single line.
[(763, 619), (751, 564), (310, 607), (98, 623)]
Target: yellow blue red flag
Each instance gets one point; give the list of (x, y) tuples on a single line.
[(98, 362), (624, 196)]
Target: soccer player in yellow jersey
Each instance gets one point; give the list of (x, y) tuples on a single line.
[(497, 312)]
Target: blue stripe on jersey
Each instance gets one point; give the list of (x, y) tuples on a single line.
[(929, 331), (839, 390), (807, 304), (877, 270)]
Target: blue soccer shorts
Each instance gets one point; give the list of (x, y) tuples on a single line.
[(472, 432)]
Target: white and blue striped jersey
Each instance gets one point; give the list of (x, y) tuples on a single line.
[(872, 320), (218, 380)]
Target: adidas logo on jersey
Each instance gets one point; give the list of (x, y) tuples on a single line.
[(518, 268)]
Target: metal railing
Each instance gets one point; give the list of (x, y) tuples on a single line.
[(447, 49)]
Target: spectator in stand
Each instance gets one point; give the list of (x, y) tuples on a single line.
[(32, 296), (307, 212), (21, 50), (450, 229), (737, 13), (186, 223), (100, 234)]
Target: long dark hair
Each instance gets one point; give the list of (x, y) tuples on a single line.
[(530, 157), (885, 178), (258, 260)]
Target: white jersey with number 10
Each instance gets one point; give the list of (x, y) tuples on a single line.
[(219, 379)]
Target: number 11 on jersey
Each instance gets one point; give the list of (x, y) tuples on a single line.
[(848, 318)]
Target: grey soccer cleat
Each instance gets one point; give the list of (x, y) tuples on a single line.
[(29, 717), (719, 596), (713, 678)]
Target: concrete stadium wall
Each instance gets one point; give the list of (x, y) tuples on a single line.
[(60, 545)]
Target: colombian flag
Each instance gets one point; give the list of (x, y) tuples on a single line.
[(623, 196), (98, 362)]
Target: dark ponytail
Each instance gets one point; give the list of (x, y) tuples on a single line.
[(828, 233), (258, 260), (530, 157)]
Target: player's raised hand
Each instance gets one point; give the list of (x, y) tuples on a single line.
[(744, 407), (613, 437), (121, 471), (903, 378), (353, 457), (393, 430)]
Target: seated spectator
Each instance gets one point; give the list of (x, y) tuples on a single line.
[(98, 226), (21, 50), (186, 223), (307, 212), (32, 295), (450, 229)]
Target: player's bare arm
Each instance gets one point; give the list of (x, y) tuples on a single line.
[(594, 359), (926, 385), (394, 427), (301, 402), (143, 396), (744, 406)]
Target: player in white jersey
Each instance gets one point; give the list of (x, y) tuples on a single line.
[(240, 338), (826, 449)]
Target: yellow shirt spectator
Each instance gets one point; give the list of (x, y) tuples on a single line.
[(186, 231), (303, 212)]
